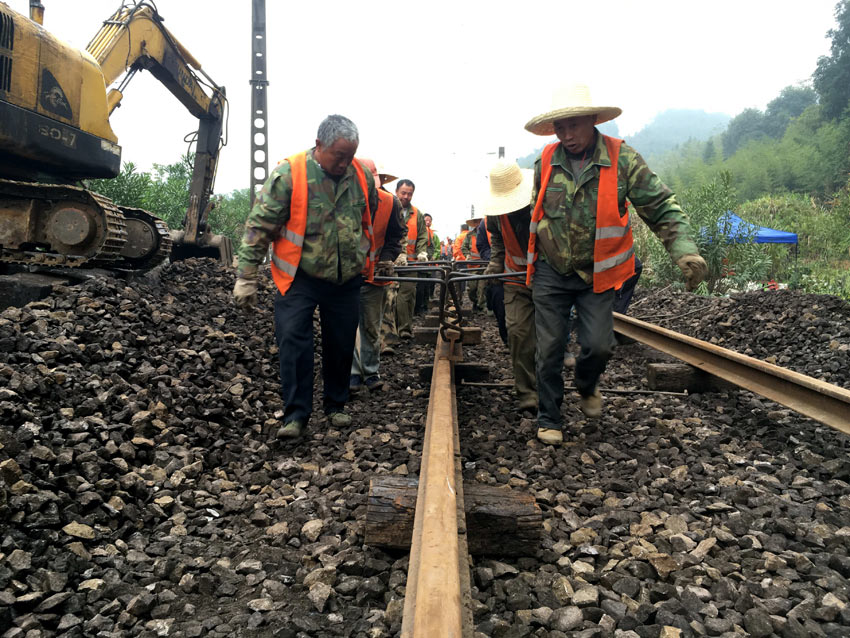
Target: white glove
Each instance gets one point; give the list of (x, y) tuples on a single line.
[(245, 292), (423, 256), (401, 260)]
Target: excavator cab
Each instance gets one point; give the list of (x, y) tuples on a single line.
[(55, 131)]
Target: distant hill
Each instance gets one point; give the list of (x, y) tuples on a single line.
[(674, 127), (666, 131)]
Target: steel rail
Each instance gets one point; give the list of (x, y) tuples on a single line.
[(438, 574), (824, 402)]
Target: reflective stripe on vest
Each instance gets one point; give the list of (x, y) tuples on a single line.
[(613, 247), (379, 231), (514, 259), (412, 230), (286, 249)]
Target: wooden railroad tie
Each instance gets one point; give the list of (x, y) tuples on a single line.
[(499, 520)]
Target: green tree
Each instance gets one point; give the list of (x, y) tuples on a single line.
[(831, 78), (748, 125), (791, 103)]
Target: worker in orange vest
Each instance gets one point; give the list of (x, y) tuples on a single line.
[(457, 253), (580, 247), (416, 249), (469, 249), (388, 231), (316, 211)]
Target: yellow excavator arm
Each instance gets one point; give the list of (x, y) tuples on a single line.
[(135, 38)]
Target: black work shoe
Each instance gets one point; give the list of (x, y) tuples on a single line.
[(374, 383), (291, 430)]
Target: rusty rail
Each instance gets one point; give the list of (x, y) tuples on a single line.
[(438, 586), (824, 402)]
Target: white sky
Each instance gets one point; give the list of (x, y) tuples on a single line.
[(435, 86)]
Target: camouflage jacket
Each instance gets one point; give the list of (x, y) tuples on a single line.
[(565, 235), (421, 231), (333, 248), (434, 246), (519, 221), (466, 246)]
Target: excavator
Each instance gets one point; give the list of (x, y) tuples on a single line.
[(55, 132)]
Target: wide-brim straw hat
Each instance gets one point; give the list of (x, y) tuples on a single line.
[(510, 188), (386, 177), (572, 100), (474, 220)]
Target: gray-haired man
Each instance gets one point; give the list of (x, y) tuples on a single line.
[(316, 209)]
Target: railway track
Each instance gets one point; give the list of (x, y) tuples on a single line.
[(438, 591)]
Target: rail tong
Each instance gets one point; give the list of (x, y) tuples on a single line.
[(438, 585)]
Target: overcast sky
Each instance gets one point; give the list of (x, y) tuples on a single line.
[(437, 86)]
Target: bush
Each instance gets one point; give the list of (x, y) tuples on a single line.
[(730, 265)]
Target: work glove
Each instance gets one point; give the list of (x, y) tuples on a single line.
[(384, 269), (491, 269), (245, 292), (423, 256), (401, 260), (694, 269)]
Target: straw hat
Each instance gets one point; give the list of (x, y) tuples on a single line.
[(386, 177), (510, 188), (572, 100)]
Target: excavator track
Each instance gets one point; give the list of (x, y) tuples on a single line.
[(70, 226), (148, 242), (58, 225)]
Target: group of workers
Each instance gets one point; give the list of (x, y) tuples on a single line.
[(561, 233)]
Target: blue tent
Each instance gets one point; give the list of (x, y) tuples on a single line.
[(741, 231)]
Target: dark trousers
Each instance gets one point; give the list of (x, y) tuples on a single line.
[(623, 297), (339, 313), (554, 297), (423, 290), (495, 295)]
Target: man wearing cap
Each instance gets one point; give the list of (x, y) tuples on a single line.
[(388, 232), (580, 248), (316, 211), (415, 250), (508, 217)]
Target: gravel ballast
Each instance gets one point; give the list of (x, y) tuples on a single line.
[(142, 492)]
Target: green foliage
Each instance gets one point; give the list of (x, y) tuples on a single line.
[(791, 103), (165, 193), (731, 265), (832, 76), (748, 125)]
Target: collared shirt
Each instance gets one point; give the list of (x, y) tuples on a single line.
[(565, 235), (335, 246)]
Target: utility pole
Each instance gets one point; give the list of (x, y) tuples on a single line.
[(259, 113)]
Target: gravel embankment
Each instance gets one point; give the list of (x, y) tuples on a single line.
[(142, 492)]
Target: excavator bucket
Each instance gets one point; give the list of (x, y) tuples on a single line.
[(216, 246)]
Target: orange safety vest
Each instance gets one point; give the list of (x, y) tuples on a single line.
[(412, 231), (286, 249), (515, 258), (613, 248), (379, 230), (456, 251)]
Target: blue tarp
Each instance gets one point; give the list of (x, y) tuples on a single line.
[(741, 231)]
